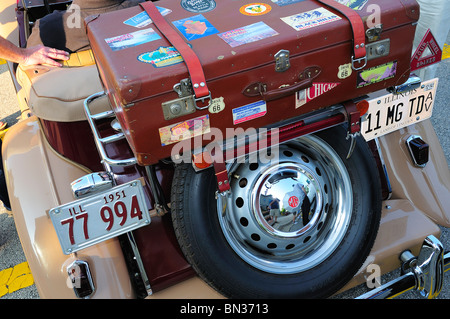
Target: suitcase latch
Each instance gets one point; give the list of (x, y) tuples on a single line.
[(373, 34), (185, 104), (282, 61)]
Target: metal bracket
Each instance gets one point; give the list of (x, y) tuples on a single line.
[(184, 88), (354, 124), (373, 34)]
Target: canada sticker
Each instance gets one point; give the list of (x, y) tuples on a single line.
[(255, 9), (309, 94)]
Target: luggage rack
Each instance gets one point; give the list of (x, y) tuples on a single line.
[(101, 141)]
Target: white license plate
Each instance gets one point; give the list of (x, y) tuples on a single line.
[(391, 112), (94, 219)]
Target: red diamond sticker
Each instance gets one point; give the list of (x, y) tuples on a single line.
[(428, 52)]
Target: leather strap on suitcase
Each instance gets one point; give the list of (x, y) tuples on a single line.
[(359, 35), (190, 58)]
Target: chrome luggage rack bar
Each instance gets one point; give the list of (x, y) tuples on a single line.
[(101, 141)]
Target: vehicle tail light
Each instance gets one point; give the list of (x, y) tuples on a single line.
[(81, 279), (363, 107), (419, 150)]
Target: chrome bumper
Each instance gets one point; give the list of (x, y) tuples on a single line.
[(425, 273)]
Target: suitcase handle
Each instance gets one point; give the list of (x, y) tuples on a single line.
[(286, 91), (260, 89)]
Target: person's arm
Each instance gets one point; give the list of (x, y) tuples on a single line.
[(31, 56)]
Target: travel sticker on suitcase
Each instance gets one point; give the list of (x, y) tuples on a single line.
[(195, 27), (248, 34), (184, 130), (311, 19), (249, 112), (162, 57), (133, 39)]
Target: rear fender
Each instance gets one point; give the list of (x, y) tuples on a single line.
[(38, 179), (427, 188)]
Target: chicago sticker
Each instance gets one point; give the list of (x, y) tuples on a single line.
[(309, 94)]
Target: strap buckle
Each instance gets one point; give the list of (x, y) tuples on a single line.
[(203, 101), (360, 60)]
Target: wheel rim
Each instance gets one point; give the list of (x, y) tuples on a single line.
[(292, 242)]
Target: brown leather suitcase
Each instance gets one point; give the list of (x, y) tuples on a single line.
[(263, 63)]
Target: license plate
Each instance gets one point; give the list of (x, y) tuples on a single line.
[(94, 219), (391, 112)]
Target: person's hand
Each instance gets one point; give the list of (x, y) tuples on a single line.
[(43, 55)]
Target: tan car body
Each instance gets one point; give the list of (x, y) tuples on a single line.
[(418, 204)]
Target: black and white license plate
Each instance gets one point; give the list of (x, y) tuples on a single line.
[(94, 219), (391, 112)]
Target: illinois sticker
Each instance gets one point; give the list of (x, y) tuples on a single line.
[(255, 9)]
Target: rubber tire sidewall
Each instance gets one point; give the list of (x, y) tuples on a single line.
[(201, 239)]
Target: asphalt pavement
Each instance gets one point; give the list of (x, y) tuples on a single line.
[(11, 253)]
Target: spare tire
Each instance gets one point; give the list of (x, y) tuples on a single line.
[(245, 248)]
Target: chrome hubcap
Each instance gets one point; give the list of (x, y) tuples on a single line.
[(289, 215)]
